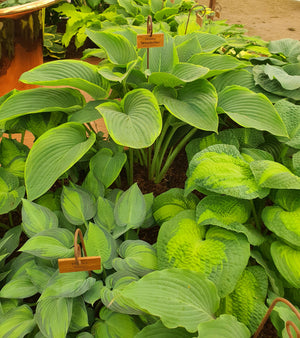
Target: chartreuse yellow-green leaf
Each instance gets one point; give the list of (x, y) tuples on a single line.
[(182, 298), (56, 151), (221, 255)]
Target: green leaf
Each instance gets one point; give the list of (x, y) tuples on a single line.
[(247, 301), (50, 244), (79, 318), (137, 256), (93, 294), (221, 255), (99, 242), (209, 42), (105, 214), (19, 287), (116, 74), (40, 100), (88, 113), (119, 50), (288, 47), (53, 316), (182, 298), (194, 104), (136, 122), (54, 153), (225, 326), (74, 73), (171, 202), (287, 81), (221, 168), (158, 330), (68, 285), (107, 166), (251, 110), (17, 322), (93, 185), (39, 276), (78, 205), (10, 240), (287, 261), (270, 174), (10, 191), (36, 218), (188, 47)]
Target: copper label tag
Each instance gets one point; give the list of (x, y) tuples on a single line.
[(85, 264), (147, 41)]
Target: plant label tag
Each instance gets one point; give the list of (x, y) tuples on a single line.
[(148, 41), (85, 264)]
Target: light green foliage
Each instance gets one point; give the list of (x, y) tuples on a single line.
[(246, 302), (160, 331), (79, 318)]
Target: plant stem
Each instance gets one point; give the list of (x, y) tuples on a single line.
[(256, 219), (130, 178), (175, 152), (22, 137), (11, 222)]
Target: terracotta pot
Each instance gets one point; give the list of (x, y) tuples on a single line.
[(21, 42)]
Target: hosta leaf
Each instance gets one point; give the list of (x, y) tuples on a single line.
[(36, 218), (19, 287), (116, 74), (39, 276), (112, 324), (289, 200), (221, 256), (285, 224), (107, 166), (247, 301), (130, 209), (40, 100), (251, 110), (171, 202), (53, 316), (50, 244), (79, 318), (67, 285), (187, 47), (182, 298), (93, 185), (119, 50), (158, 330), (78, 205), (288, 47), (17, 322), (290, 82), (93, 294), (74, 73), (10, 191), (99, 242), (287, 261), (194, 104), (225, 326), (209, 42), (216, 63), (10, 240), (221, 168), (252, 154), (269, 174), (54, 153), (88, 113), (105, 214), (137, 256), (135, 123)]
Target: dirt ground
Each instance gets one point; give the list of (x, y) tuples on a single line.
[(269, 19)]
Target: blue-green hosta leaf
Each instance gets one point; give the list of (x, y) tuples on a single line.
[(112, 324), (68, 285), (74, 73), (105, 214), (270, 174), (221, 256), (287, 261), (221, 168), (130, 210), (88, 113), (36, 218), (289, 82), (179, 75), (17, 322), (216, 63), (99, 242), (247, 301), (53, 316), (10, 191), (50, 244), (149, 219), (194, 104), (92, 184), (106, 166), (136, 122), (116, 74), (79, 318), (20, 265), (93, 294), (182, 298), (209, 42), (171, 202), (187, 47), (137, 256), (54, 153), (225, 326), (19, 287), (285, 224), (251, 110), (158, 330), (78, 205), (11, 239), (288, 47), (119, 50), (39, 276), (40, 100)]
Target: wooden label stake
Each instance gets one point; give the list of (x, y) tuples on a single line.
[(79, 263)]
